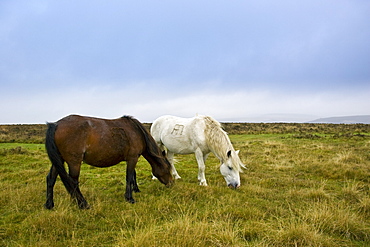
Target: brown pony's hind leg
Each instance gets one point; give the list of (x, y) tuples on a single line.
[(74, 191), (82, 203), (50, 182)]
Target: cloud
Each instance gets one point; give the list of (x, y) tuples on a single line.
[(240, 41), (147, 105)]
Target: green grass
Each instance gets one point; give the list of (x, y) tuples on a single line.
[(298, 190)]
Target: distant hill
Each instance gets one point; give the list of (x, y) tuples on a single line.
[(271, 118), (365, 119)]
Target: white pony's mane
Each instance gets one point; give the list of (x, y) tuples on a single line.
[(219, 143)]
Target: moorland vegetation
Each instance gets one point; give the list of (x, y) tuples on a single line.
[(306, 185)]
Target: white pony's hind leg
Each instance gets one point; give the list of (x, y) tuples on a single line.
[(201, 165), (170, 157)]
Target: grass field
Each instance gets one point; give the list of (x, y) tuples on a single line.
[(308, 188)]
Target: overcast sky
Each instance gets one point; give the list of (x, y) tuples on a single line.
[(235, 60)]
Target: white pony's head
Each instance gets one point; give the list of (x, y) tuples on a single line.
[(220, 144), (230, 169)]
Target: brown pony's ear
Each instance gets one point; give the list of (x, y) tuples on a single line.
[(164, 153)]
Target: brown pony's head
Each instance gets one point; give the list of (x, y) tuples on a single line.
[(161, 167), (163, 171)]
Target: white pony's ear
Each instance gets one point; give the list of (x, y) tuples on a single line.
[(241, 164)]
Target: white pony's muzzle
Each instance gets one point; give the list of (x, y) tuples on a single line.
[(233, 186)]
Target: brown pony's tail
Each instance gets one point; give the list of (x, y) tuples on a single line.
[(55, 156)]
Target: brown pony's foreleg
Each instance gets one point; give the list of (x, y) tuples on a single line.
[(50, 182), (136, 187), (131, 180)]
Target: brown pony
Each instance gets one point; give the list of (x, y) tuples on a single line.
[(101, 143)]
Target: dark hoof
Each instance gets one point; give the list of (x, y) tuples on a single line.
[(137, 190), (49, 205), (131, 200), (84, 206)]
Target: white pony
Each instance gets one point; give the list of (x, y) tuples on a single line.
[(200, 135)]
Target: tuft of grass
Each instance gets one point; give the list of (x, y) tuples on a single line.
[(338, 220), (297, 233), (364, 206)]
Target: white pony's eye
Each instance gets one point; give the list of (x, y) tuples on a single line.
[(230, 168)]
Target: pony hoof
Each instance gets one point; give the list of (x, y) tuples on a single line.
[(49, 205), (132, 201), (203, 183), (84, 206)]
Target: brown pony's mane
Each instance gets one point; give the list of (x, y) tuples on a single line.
[(151, 146)]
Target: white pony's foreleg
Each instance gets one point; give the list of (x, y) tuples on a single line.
[(202, 167), (170, 157)]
